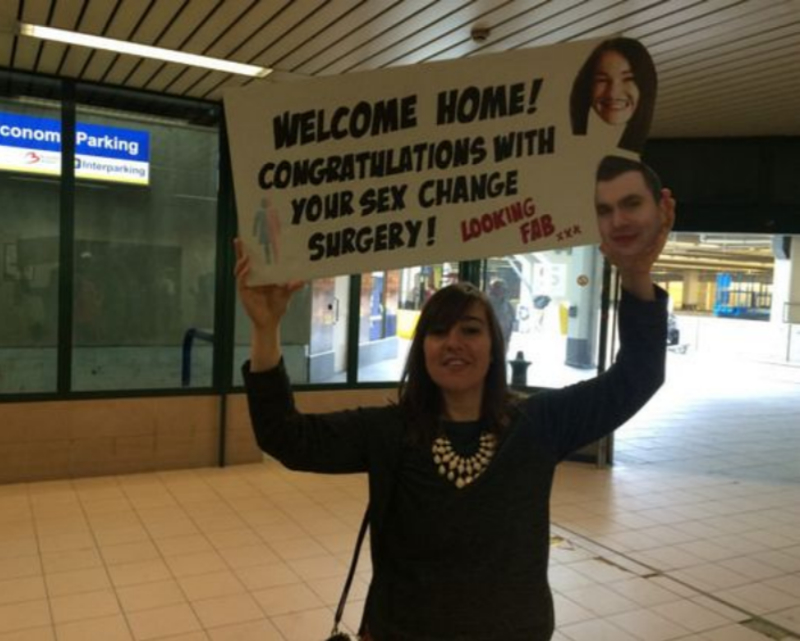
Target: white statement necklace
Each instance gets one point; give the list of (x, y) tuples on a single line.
[(463, 470)]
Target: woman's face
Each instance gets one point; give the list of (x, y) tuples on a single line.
[(615, 93), (457, 358)]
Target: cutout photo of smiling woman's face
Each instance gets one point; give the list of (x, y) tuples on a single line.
[(615, 94), (617, 83)]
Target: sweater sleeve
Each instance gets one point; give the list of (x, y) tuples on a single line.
[(331, 443), (580, 414)]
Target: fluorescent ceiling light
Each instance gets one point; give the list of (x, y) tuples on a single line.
[(145, 51)]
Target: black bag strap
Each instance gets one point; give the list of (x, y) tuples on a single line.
[(351, 573)]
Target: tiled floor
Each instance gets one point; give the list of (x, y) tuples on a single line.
[(693, 535)]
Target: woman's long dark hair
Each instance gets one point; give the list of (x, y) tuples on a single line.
[(644, 73), (420, 398)]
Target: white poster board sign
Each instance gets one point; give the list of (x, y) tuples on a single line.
[(457, 160)]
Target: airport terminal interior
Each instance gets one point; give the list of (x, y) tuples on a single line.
[(135, 504), (692, 535)]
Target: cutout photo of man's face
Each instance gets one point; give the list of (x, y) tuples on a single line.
[(615, 94), (628, 216)]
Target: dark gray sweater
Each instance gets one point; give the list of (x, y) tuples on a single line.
[(469, 564)]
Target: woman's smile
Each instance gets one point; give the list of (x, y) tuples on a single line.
[(457, 358), (615, 93)]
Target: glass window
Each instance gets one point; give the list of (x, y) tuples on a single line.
[(548, 305), (30, 131), (145, 246), (313, 333), (389, 309), (327, 350)]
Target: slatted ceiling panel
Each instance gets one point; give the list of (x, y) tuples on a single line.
[(671, 24), (341, 43), (773, 119), (175, 37), (505, 22), (751, 61), (727, 56), (678, 113), (122, 65), (26, 51), (165, 75), (191, 86), (186, 81), (290, 28), (725, 66), (218, 92), (559, 27), (641, 18), (734, 31), (6, 47), (146, 70), (738, 54), (263, 25), (250, 34), (725, 108), (776, 115), (93, 21), (36, 11), (8, 13), (757, 92), (538, 20), (191, 17), (310, 38), (414, 35), (770, 122), (210, 82), (203, 37), (276, 78), (507, 32), (457, 35), (339, 38), (65, 16), (440, 50), (210, 88), (50, 57), (650, 20), (227, 44), (166, 78), (706, 31), (8, 17), (506, 35), (148, 31), (678, 106), (123, 22), (767, 79), (591, 20), (766, 73), (410, 33)]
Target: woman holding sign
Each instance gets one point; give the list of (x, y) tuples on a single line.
[(617, 83), (459, 470)]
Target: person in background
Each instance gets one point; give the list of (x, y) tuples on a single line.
[(460, 470), (503, 308)]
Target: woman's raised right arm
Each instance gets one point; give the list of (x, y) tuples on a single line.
[(332, 443)]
